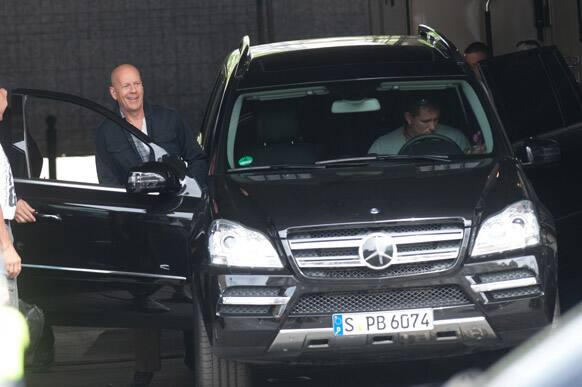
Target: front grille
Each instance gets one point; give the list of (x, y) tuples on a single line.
[(242, 301), (429, 297), (245, 310), (333, 252), (506, 294), (390, 272), (505, 276), (251, 291), (350, 230)]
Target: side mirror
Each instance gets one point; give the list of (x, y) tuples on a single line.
[(153, 177), (537, 152)]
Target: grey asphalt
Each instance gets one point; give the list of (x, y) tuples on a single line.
[(93, 357)]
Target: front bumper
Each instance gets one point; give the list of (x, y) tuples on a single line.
[(481, 305)]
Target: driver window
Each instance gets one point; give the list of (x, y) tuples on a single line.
[(61, 140)]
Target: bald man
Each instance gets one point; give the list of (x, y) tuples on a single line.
[(118, 152)]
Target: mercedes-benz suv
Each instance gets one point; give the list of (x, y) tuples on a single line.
[(363, 202), (323, 247)]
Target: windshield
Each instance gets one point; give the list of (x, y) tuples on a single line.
[(334, 121)]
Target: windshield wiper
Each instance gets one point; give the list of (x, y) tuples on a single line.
[(277, 167), (363, 160), (348, 160)]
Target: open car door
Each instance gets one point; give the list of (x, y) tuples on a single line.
[(97, 255), (540, 105)]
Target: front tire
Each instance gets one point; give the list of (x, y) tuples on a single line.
[(210, 370)]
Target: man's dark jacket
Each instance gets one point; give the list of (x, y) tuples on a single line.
[(117, 153)]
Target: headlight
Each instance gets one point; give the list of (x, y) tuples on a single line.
[(513, 228), (231, 244)]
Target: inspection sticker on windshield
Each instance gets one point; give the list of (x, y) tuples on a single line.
[(245, 161), (347, 324)]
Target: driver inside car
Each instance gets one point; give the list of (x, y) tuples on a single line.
[(421, 117)]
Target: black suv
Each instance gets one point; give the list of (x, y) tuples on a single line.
[(307, 246)]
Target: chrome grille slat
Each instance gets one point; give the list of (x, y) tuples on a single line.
[(354, 260), (394, 271), (330, 244), (337, 247), (422, 236), (358, 230), (406, 239), (336, 258), (332, 263), (399, 239), (415, 253), (429, 256)]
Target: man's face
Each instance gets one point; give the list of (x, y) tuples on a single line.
[(425, 122), (3, 102), (473, 58), (127, 89)]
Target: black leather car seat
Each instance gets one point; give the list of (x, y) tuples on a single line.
[(280, 141)]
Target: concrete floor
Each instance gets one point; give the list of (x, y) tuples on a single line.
[(92, 357), (104, 357)]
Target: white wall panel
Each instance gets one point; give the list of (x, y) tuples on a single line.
[(512, 21), (462, 21)]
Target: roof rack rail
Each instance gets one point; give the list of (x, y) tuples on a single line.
[(440, 43), (245, 57)]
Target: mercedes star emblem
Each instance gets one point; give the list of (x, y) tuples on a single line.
[(377, 251)]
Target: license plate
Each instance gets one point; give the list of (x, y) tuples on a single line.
[(347, 324)]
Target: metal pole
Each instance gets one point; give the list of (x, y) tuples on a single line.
[(488, 29), (540, 18), (51, 141), (408, 21)]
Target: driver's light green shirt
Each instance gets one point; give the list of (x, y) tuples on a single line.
[(390, 144)]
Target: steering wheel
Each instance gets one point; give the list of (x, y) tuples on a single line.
[(430, 144)]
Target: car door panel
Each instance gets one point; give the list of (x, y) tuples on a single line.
[(537, 97), (97, 252)]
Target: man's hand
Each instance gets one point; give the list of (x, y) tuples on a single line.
[(24, 212), (12, 262), (476, 149)]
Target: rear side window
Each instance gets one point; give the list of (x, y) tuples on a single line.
[(533, 91), (561, 77), (61, 141), (524, 96)]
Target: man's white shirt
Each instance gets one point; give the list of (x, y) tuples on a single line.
[(7, 193)]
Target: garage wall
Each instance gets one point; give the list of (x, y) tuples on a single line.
[(566, 34), (72, 45), (302, 19), (389, 17), (512, 21), (462, 21)]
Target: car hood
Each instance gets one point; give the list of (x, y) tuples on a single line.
[(283, 199)]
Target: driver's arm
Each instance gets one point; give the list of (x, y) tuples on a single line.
[(460, 139)]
